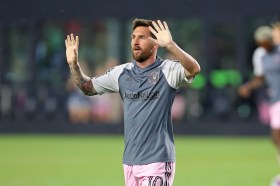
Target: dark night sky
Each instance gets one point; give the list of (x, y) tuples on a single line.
[(13, 10)]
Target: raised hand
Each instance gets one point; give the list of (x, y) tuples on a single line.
[(72, 47), (82, 81), (162, 33)]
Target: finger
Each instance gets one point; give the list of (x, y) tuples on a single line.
[(165, 25), (156, 26), (160, 25), (72, 39), (66, 43), (152, 30), (77, 41), (68, 40)]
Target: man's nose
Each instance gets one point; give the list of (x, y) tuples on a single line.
[(136, 41)]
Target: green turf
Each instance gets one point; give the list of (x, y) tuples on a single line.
[(74, 160)]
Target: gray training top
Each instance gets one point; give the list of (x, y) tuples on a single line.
[(147, 94), (270, 68)]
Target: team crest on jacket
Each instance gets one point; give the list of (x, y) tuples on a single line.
[(153, 77)]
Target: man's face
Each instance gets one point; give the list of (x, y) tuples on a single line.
[(276, 35), (142, 47)]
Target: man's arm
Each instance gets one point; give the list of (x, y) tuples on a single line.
[(164, 39), (82, 81), (246, 89), (188, 62)]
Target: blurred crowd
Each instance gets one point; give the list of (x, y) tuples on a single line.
[(35, 83)]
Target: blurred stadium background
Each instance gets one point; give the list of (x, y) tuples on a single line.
[(37, 96)]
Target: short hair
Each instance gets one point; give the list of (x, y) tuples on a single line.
[(263, 33), (143, 23)]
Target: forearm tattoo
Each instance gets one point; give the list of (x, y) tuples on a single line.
[(82, 81)]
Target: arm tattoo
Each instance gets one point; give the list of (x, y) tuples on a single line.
[(82, 81), (88, 88)]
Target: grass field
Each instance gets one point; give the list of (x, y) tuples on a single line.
[(90, 160)]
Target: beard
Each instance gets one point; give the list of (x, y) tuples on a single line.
[(142, 55)]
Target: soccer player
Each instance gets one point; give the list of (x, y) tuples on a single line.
[(147, 86), (268, 71), (262, 38), (276, 33)]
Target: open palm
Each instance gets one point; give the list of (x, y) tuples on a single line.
[(162, 34), (72, 47)]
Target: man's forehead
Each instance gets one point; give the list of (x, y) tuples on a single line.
[(141, 30)]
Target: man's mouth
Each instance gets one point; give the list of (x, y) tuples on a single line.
[(137, 48)]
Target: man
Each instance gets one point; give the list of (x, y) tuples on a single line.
[(276, 33), (147, 86), (268, 71), (262, 38)]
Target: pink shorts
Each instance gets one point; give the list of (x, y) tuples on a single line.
[(274, 112), (154, 174)]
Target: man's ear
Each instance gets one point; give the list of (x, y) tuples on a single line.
[(155, 46), (154, 42)]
